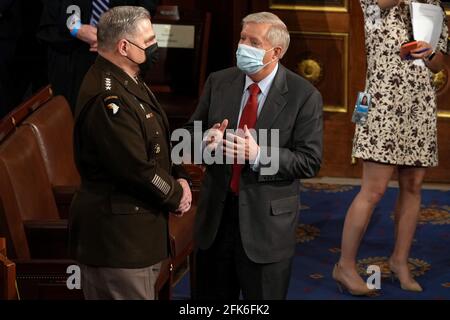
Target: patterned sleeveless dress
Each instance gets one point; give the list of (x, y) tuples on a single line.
[(401, 124)]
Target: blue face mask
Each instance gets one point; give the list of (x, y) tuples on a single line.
[(250, 59)]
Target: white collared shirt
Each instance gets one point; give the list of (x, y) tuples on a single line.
[(264, 85)]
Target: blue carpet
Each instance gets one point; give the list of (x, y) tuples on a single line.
[(319, 232)]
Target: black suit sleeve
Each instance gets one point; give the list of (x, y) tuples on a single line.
[(303, 158), (179, 172), (4, 5), (53, 26), (122, 151)]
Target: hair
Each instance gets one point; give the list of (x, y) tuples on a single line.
[(277, 34), (118, 23), (362, 99)]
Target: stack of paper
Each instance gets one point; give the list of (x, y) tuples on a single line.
[(427, 24)]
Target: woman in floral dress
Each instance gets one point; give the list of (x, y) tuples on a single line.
[(399, 134)]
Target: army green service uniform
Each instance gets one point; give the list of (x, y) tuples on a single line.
[(119, 218)]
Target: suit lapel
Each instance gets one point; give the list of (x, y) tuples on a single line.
[(234, 92), (275, 101)]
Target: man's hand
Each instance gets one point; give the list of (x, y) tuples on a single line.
[(215, 135), (93, 47), (88, 34), (237, 147), (186, 199), (422, 50)]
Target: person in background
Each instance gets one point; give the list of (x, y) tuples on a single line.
[(22, 57), (399, 135), (69, 28)]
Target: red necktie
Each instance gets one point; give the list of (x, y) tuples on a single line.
[(248, 117)]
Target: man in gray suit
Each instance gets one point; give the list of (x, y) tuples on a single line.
[(246, 219)]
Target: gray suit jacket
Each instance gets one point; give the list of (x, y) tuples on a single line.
[(268, 204)]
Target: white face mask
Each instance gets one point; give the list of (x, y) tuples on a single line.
[(250, 59)]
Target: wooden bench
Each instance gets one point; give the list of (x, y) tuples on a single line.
[(7, 275)]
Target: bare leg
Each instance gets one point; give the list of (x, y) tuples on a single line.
[(374, 183), (406, 216)]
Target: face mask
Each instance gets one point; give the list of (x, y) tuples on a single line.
[(250, 59), (151, 57)]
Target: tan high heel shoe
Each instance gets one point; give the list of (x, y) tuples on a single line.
[(358, 291), (413, 286)]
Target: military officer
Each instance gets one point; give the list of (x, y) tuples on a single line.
[(118, 219)]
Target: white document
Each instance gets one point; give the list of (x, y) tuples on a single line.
[(174, 35), (427, 24)]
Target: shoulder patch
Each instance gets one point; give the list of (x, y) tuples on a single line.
[(112, 103)]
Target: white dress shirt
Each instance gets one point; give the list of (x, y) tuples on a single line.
[(264, 85)]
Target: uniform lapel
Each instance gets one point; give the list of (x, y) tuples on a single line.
[(134, 88), (142, 93), (155, 104), (123, 78)]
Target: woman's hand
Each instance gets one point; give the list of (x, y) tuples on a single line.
[(422, 50), (387, 4)]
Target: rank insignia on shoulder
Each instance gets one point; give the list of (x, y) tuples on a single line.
[(108, 84)]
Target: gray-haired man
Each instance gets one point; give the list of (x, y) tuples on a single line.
[(118, 220), (246, 219)]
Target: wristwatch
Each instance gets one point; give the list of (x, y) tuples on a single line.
[(431, 56), (74, 24)]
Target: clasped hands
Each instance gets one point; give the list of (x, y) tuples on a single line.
[(234, 146), (240, 146), (186, 199)]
